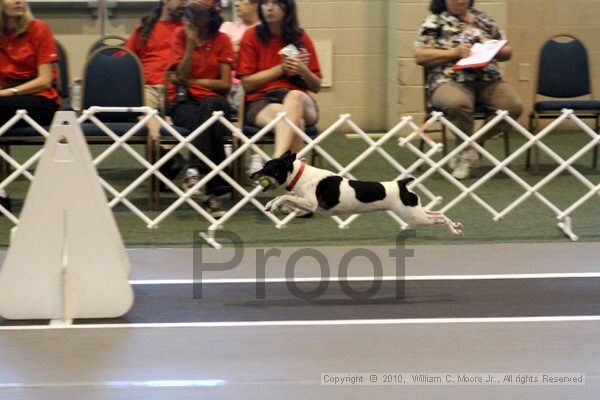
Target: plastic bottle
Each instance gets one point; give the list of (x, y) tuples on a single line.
[(76, 95)]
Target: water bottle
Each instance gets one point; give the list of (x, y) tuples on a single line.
[(76, 95)]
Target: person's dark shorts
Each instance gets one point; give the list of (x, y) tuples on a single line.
[(275, 96)]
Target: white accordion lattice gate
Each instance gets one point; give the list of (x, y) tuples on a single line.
[(422, 168)]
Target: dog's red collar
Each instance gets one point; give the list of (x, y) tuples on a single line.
[(291, 186)]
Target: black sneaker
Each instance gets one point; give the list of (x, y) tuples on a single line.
[(213, 205), (191, 178)]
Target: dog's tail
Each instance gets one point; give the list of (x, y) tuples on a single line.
[(408, 198)]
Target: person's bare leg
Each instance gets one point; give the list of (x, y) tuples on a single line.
[(301, 110), (269, 113)]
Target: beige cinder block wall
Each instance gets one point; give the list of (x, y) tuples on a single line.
[(357, 31), (77, 30)]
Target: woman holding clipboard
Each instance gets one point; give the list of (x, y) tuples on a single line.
[(447, 36)]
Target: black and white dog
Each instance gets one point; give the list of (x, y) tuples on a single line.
[(324, 192)]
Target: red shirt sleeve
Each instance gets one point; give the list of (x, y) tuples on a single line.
[(177, 48), (224, 49), (313, 64), (248, 57), (46, 47), (133, 42)]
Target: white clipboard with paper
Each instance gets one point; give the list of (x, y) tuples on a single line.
[(481, 55)]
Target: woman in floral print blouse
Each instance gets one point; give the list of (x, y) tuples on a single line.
[(445, 37)]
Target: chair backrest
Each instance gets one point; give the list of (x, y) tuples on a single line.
[(563, 69), (62, 69), (113, 81), (107, 41)]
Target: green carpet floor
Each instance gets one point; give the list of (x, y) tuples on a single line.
[(531, 222)]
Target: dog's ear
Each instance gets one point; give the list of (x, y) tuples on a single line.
[(288, 159), (286, 154)]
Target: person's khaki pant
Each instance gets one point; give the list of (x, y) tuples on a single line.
[(457, 102)]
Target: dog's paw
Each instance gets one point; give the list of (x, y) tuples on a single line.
[(273, 205), (269, 206)]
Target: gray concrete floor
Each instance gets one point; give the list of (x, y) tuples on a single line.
[(286, 362)]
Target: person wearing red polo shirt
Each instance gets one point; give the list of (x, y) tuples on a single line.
[(27, 51), (151, 42), (276, 80), (201, 56)]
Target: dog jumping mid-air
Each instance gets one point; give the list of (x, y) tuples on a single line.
[(324, 192)]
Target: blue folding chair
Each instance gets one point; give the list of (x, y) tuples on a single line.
[(563, 74), (113, 41), (113, 77)]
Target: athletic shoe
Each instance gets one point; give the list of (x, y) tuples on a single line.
[(467, 162), (191, 178), (213, 205)]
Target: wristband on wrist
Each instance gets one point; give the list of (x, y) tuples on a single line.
[(13, 91)]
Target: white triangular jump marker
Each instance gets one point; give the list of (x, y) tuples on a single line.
[(66, 259)]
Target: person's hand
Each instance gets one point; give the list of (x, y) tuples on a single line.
[(5, 93), (462, 50), (293, 65), (304, 57)]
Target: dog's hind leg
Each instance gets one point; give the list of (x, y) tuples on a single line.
[(440, 219)]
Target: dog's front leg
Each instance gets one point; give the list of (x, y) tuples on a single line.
[(291, 201)]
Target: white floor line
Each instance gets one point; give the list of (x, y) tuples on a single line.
[(342, 322), (368, 278)]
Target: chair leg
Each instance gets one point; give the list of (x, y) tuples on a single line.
[(422, 145), (444, 141), (536, 168), (154, 150), (506, 137), (238, 168), (528, 157), (595, 156), (5, 166)]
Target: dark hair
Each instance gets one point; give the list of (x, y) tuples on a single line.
[(439, 6), (191, 12), (148, 22), (290, 27)]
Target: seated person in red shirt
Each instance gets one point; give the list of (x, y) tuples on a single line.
[(27, 52), (274, 82), (151, 42), (202, 58)]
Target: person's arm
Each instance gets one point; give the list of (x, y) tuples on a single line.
[(252, 82), (505, 53), (431, 57), (39, 83), (184, 68), (296, 66), (218, 85)]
